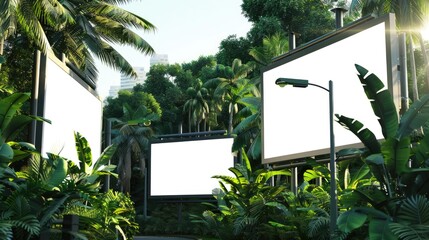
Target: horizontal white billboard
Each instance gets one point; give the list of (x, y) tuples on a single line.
[(186, 168), (296, 120)]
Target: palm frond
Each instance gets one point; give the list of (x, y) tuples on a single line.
[(31, 26), (119, 34), (414, 210), (317, 228), (125, 18), (410, 232)]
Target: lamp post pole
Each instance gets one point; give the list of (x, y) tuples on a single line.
[(333, 213), (332, 166)]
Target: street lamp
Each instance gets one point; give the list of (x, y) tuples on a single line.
[(302, 83)]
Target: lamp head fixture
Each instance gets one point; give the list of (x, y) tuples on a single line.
[(292, 81)]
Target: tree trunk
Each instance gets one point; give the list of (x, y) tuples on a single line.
[(126, 173), (189, 121), (1, 48), (413, 68), (426, 61), (231, 115), (198, 125)]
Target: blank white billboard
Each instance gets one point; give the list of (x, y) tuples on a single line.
[(72, 107), (296, 120), (186, 168)]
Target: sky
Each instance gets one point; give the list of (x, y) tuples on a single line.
[(186, 30)]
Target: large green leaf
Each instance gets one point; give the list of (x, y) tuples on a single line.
[(364, 134), (415, 117), (246, 161), (6, 155), (105, 156), (59, 173), (254, 103), (358, 175), (264, 177), (311, 174), (9, 106), (84, 153), (378, 168), (396, 155), (255, 147), (17, 123), (241, 179), (379, 229), (351, 220), (381, 101), (421, 150)]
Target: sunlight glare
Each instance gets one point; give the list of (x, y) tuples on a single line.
[(425, 31)]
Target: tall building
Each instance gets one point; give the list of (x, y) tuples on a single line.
[(158, 59), (127, 82)]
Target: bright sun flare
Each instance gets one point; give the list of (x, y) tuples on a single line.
[(425, 31)]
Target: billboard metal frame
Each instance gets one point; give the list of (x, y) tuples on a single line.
[(392, 70), (174, 139), (38, 96)]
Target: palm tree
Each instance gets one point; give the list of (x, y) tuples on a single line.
[(248, 131), (196, 106), (78, 28), (231, 88), (411, 15), (272, 46), (132, 138)]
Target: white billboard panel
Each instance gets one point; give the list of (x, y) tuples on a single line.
[(72, 107), (296, 120), (186, 168)]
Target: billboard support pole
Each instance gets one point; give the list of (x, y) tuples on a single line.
[(403, 72), (108, 142), (35, 96)]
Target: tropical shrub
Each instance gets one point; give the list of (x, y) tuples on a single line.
[(34, 197), (246, 204), (105, 216), (395, 205)]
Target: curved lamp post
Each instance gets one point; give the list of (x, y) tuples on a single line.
[(302, 83)]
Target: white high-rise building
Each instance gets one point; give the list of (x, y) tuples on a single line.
[(158, 59), (127, 82)]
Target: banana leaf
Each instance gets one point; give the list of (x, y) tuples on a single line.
[(364, 134), (83, 152), (396, 155), (9, 106), (415, 117), (381, 101)]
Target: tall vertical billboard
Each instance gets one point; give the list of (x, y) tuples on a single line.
[(296, 120), (69, 102)]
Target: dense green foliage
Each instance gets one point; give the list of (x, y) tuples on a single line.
[(399, 166), (380, 191), (78, 29), (309, 18), (36, 195)]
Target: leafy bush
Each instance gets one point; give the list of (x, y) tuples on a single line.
[(246, 204), (395, 205)]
